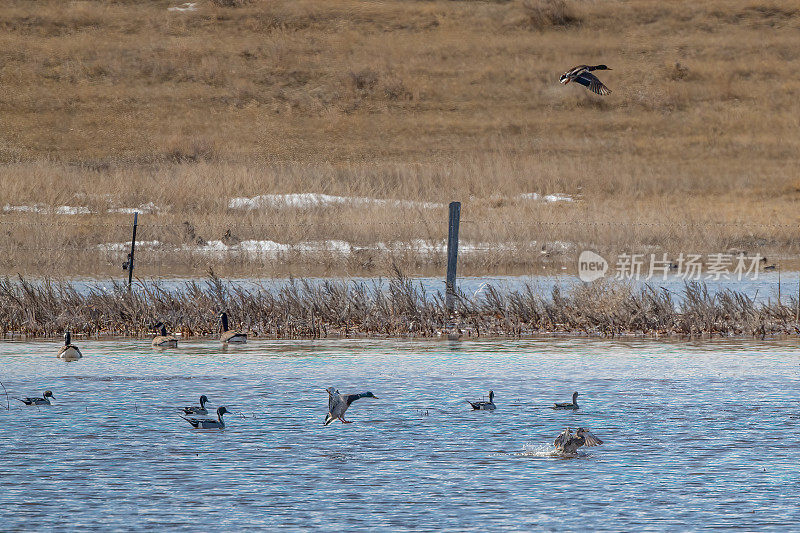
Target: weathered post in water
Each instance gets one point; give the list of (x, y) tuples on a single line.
[(128, 265), (452, 255)]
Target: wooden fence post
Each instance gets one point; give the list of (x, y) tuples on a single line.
[(452, 255), (128, 265)]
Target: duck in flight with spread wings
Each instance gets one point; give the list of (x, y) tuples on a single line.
[(568, 442), (583, 74), (338, 404)]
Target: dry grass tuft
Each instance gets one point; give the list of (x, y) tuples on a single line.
[(541, 14)]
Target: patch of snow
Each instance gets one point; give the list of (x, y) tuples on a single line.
[(43, 209), (126, 246), (188, 6), (149, 207), (546, 197), (307, 200)]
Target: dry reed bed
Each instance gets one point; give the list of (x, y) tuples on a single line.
[(397, 308)]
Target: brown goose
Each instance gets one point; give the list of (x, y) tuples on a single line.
[(69, 352), (229, 336)]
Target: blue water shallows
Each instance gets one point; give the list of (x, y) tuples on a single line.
[(696, 435)]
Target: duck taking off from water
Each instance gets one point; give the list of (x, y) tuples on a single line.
[(573, 406), (194, 410), (483, 405), (44, 400), (338, 404), (583, 74), (162, 340), (208, 423), (229, 336), (69, 352), (568, 442)]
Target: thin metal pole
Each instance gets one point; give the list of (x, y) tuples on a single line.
[(452, 255), (133, 249)]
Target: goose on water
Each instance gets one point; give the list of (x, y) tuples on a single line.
[(483, 405), (44, 400), (230, 336), (69, 352), (162, 340), (568, 442), (338, 404), (583, 74), (572, 406), (194, 410), (208, 423)]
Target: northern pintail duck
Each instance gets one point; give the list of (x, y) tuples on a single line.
[(583, 74), (229, 336), (568, 442), (194, 410), (573, 406), (69, 352), (483, 405), (162, 340), (338, 404), (44, 400), (208, 423)]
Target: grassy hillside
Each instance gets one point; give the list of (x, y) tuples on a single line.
[(109, 104)]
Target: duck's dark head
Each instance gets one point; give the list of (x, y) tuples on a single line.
[(223, 318), (67, 338), (369, 395), (49, 394), (491, 395), (601, 67), (574, 396), (221, 411), (203, 400)]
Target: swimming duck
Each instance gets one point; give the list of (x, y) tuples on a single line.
[(574, 405), (208, 423), (483, 405), (582, 74), (44, 400), (568, 442), (230, 336), (194, 410), (338, 404), (69, 352), (162, 340)]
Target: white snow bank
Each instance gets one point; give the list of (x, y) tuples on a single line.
[(546, 197), (308, 199)]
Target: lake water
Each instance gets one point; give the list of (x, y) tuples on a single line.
[(697, 435)]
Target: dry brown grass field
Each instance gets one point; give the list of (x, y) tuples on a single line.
[(118, 104)]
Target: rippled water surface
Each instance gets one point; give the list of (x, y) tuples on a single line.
[(696, 435)]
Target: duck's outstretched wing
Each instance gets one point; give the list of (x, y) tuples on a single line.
[(591, 82), (591, 440), (562, 438)]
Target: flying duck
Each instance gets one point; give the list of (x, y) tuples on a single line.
[(162, 340), (583, 74), (208, 423), (338, 404), (230, 336), (69, 352), (44, 400), (568, 442), (483, 405), (573, 406), (194, 410)]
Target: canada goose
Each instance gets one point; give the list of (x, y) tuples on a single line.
[(483, 405), (568, 443), (69, 352), (230, 336), (338, 404), (194, 410), (582, 74), (162, 340), (208, 423), (44, 400), (573, 406)]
